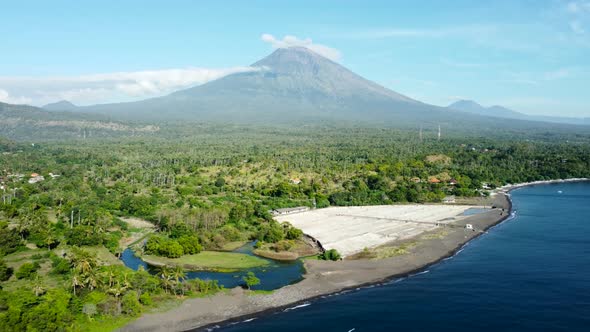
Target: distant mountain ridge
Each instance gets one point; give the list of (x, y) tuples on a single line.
[(470, 106), (297, 86), (26, 122), (62, 105)]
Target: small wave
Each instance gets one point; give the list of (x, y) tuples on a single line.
[(352, 329), (249, 320), (395, 281), (297, 307), (419, 273)]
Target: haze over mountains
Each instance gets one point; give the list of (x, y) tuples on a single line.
[(62, 105), (290, 86), (471, 106), (29, 122)]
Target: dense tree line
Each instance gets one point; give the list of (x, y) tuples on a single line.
[(216, 186)]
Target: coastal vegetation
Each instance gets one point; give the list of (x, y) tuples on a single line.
[(209, 260), (66, 207), (251, 280), (330, 255)]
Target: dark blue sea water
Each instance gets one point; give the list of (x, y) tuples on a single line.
[(272, 276), (530, 273)]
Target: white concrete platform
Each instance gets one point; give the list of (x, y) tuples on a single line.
[(351, 229)]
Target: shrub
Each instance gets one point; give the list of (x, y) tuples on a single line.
[(83, 236), (153, 244), (171, 249), (9, 240), (5, 271), (146, 299), (130, 304), (272, 232), (190, 244), (27, 270), (60, 265), (231, 233), (220, 182), (251, 280), (330, 255), (294, 233), (283, 245)]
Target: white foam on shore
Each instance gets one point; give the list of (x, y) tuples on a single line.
[(297, 306), (419, 273)]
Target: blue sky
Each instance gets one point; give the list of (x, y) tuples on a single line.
[(532, 56)]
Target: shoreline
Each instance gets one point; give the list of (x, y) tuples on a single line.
[(323, 279), (509, 187)]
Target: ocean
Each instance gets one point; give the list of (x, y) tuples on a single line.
[(529, 273)]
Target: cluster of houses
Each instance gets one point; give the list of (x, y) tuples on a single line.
[(434, 180), (36, 178), (33, 178)]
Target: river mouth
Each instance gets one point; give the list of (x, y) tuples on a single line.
[(272, 276)]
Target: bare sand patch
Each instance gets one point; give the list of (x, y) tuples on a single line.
[(138, 223), (351, 229), (142, 229)]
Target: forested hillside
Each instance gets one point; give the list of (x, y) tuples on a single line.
[(23, 122), (64, 204)]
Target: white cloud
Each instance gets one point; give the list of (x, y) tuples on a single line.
[(7, 98), (109, 87), (290, 41)]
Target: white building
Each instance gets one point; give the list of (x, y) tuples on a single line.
[(284, 211), (36, 178)]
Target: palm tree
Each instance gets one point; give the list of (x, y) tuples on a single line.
[(76, 282), (117, 290), (38, 286), (109, 275), (23, 224), (179, 275), (83, 261), (126, 282), (91, 280), (102, 222), (49, 239), (166, 276)]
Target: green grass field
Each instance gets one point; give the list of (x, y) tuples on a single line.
[(210, 260)]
